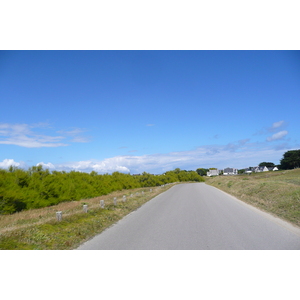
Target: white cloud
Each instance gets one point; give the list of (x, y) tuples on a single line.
[(106, 166), (30, 143), (6, 163), (76, 135), (22, 135), (47, 166), (80, 139), (25, 135), (113, 164), (238, 154), (277, 124), (277, 136)]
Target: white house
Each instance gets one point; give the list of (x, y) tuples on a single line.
[(250, 170), (213, 173), (230, 171), (261, 169), (265, 169)]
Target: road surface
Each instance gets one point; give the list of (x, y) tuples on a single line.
[(196, 216)]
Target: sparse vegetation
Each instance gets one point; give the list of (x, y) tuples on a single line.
[(274, 192)]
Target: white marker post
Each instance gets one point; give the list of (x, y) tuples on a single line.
[(102, 204), (124, 198), (85, 208), (59, 216), (115, 201)]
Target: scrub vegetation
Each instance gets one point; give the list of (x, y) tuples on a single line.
[(35, 188), (276, 192)]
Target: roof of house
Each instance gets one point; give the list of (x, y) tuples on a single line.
[(229, 169)]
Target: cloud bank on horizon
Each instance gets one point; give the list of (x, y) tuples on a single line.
[(239, 154)]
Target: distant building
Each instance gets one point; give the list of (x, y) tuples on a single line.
[(261, 169), (230, 171), (249, 170), (213, 173)]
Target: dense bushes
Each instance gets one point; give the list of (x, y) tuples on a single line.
[(36, 187)]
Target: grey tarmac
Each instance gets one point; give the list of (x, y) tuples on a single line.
[(196, 216)]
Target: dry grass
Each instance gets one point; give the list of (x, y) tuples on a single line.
[(275, 192), (39, 229)]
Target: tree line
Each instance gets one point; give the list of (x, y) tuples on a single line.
[(37, 187)]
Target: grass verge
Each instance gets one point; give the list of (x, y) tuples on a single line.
[(38, 229), (276, 192)]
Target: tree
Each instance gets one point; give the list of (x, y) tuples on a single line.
[(290, 160), (266, 164), (202, 171)]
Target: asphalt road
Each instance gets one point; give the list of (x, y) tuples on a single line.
[(196, 216)]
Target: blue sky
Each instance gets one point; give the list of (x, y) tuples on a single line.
[(153, 111)]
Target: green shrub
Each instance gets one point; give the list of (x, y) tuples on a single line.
[(37, 188)]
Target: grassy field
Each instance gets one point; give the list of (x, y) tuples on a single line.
[(275, 192), (38, 228)]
